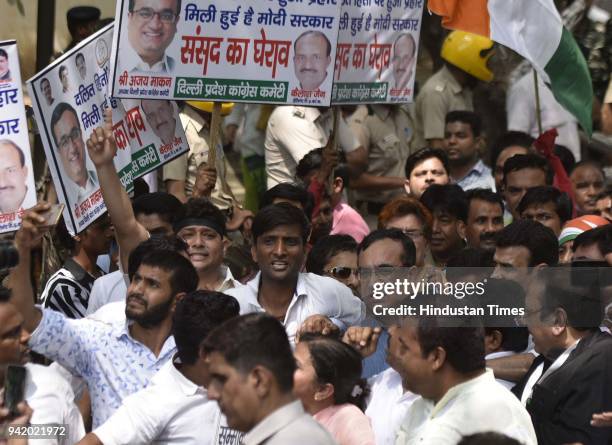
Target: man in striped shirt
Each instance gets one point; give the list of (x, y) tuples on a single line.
[(67, 291)]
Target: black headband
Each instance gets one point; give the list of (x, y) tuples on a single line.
[(179, 225)]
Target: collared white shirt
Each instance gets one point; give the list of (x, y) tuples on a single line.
[(478, 405), (107, 289), (171, 410), (293, 132), (479, 177), (313, 295), (113, 364), (493, 355), (114, 311), (77, 194), (52, 401), (388, 405), (131, 61)]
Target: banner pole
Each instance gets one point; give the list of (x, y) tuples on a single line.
[(537, 98)]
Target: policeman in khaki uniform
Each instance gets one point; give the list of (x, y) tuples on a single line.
[(386, 133), (465, 56), (180, 174)]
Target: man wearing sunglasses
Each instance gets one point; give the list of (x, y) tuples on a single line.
[(151, 29)]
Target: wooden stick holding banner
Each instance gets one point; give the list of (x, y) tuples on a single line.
[(215, 127), (537, 98), (332, 144), (213, 144)]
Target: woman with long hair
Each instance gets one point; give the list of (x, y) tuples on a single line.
[(329, 384)]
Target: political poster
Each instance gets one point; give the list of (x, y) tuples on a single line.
[(151, 130), (377, 51), (263, 51), (69, 98), (17, 190)]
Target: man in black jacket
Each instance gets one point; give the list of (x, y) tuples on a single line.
[(563, 315)]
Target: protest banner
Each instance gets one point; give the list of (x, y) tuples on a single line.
[(151, 130), (69, 99), (377, 51), (272, 51), (17, 190)]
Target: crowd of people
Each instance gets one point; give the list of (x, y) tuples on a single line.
[(184, 316)]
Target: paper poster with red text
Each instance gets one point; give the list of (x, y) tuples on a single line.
[(264, 51), (17, 191), (377, 51)]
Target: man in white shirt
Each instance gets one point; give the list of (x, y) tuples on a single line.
[(175, 407), (115, 360), (293, 132), (280, 232), (156, 212), (46, 392), (388, 404), (151, 29), (459, 396), (251, 369)]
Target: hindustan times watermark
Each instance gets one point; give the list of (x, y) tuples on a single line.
[(487, 297)]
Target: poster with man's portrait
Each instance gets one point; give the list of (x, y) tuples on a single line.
[(17, 190), (225, 50), (377, 52), (151, 130), (69, 99)]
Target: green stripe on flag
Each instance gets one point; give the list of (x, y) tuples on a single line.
[(571, 81)]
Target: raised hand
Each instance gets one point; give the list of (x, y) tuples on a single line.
[(364, 339), (101, 144), (32, 227)]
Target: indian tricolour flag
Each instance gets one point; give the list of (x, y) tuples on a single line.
[(532, 28)]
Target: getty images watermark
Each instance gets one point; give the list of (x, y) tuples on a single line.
[(482, 296)]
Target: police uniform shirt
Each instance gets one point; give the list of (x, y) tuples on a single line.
[(440, 94), (387, 134)]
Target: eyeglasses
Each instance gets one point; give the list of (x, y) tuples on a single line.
[(412, 234), (341, 272), (75, 135), (147, 14), (522, 320)]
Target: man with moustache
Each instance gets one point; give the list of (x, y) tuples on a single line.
[(13, 176), (404, 50), (46, 392), (160, 116), (312, 57), (485, 218), (462, 142), (301, 301), (115, 360), (151, 28), (449, 207)]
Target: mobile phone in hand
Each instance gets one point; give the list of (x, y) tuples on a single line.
[(14, 388)]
